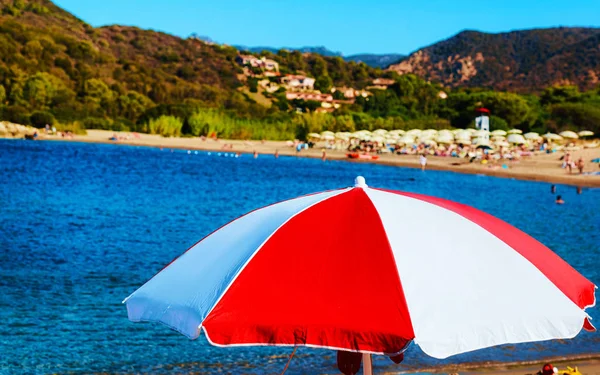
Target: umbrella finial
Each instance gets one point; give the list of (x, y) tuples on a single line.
[(360, 182)]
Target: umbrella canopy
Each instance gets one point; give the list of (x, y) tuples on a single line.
[(327, 132), (380, 132), (531, 135), (585, 133), (552, 137), (314, 135), (414, 132), (406, 139), (260, 280), (498, 132), (328, 137), (480, 133), (515, 131), (515, 138), (397, 131), (444, 138), (568, 134)]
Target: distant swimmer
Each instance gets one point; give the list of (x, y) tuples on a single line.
[(578, 189), (255, 154), (559, 200), (324, 156), (423, 161), (276, 154), (553, 189)]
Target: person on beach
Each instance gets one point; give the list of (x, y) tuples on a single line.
[(567, 162), (559, 200), (423, 161), (580, 165), (324, 156), (276, 154)]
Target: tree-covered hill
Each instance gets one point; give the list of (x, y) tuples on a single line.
[(524, 61)]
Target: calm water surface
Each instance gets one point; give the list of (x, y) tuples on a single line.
[(84, 225)]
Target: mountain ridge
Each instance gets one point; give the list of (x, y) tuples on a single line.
[(519, 60)]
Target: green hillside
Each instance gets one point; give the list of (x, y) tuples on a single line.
[(56, 69)]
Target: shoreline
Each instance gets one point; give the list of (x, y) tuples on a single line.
[(589, 362), (540, 168)]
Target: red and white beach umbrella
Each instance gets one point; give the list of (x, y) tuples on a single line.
[(368, 270)]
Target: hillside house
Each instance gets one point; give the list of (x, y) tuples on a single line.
[(351, 93), (255, 62), (298, 82), (317, 96), (382, 83)]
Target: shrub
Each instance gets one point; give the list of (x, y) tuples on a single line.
[(97, 123), (75, 127), (16, 114), (167, 126), (40, 119)]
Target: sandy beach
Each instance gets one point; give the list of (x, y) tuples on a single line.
[(544, 167), (586, 364)]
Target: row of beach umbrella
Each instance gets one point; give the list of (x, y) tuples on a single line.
[(445, 136)]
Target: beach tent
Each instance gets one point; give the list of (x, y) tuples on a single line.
[(569, 134), (381, 284)]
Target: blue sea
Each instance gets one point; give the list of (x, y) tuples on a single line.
[(84, 225)]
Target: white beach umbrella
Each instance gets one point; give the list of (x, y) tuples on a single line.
[(414, 132), (377, 138), (381, 132), (515, 131), (328, 137), (497, 138), (327, 132), (585, 133), (502, 144), (471, 130), (568, 134), (480, 133), (314, 135), (516, 139), (406, 140), (462, 134), (498, 132), (552, 137), (397, 132), (445, 138), (531, 135), (429, 132)]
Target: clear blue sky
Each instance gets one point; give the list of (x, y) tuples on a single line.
[(349, 26)]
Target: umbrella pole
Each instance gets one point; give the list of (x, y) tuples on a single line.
[(367, 364)]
